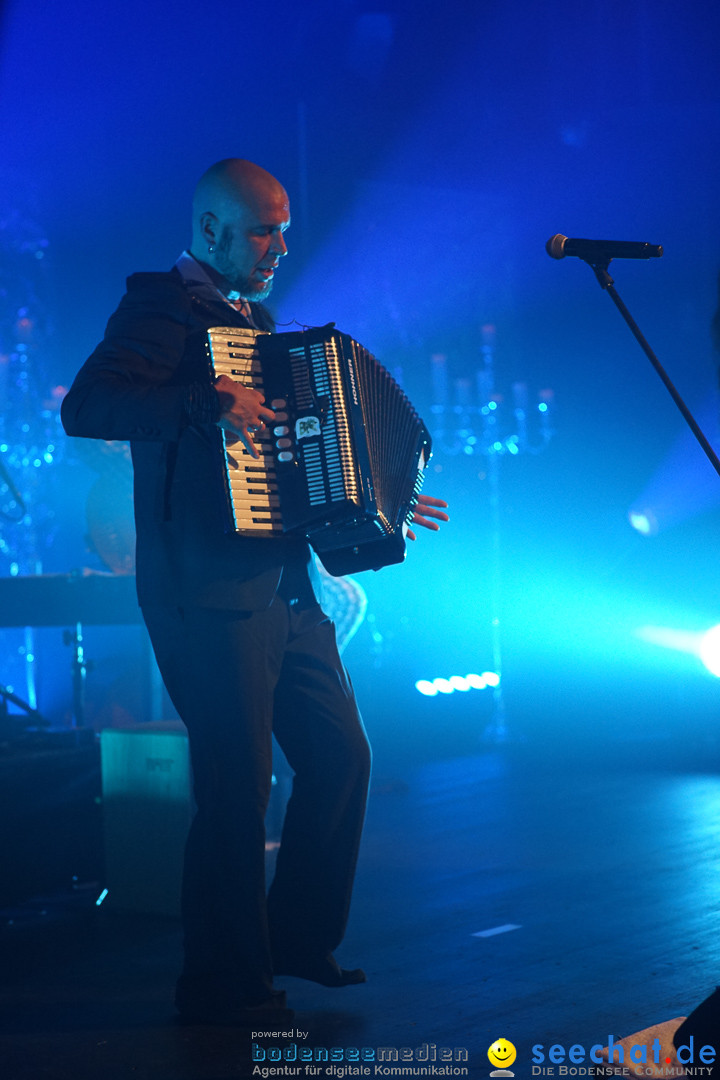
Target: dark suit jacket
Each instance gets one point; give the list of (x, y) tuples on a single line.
[(135, 387)]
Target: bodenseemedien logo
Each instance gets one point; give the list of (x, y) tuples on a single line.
[(501, 1054)]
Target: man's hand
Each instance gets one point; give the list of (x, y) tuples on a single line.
[(427, 508), (242, 411)]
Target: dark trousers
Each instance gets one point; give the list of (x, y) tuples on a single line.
[(235, 678)]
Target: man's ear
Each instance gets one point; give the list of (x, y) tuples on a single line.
[(209, 227)]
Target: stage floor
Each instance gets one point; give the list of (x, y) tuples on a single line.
[(538, 895)]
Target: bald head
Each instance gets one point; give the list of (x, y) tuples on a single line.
[(233, 185), (240, 212)]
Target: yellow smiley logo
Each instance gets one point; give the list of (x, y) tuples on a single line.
[(502, 1053)]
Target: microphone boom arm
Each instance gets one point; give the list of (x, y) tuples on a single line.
[(600, 269)]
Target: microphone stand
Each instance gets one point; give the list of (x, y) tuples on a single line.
[(600, 269)]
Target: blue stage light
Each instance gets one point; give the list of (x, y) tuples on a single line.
[(709, 651), (706, 646), (461, 683)]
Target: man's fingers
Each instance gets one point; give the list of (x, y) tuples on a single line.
[(434, 508), (418, 519), (439, 514), (423, 512), (245, 438), (252, 448), (241, 405)]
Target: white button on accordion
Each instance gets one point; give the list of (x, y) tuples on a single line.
[(343, 462)]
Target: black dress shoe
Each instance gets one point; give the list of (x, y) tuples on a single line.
[(324, 970), (204, 1012)]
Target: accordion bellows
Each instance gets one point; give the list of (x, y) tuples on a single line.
[(342, 464)]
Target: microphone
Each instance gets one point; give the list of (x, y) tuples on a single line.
[(559, 246)]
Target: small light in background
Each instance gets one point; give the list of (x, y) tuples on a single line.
[(644, 522), (461, 683)]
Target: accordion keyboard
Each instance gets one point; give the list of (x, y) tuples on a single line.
[(252, 482)]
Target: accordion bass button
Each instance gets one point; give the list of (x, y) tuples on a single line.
[(283, 444), (285, 455), (281, 431)]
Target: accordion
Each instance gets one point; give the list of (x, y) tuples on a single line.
[(342, 462)]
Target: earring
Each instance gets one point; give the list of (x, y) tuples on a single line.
[(211, 249)]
